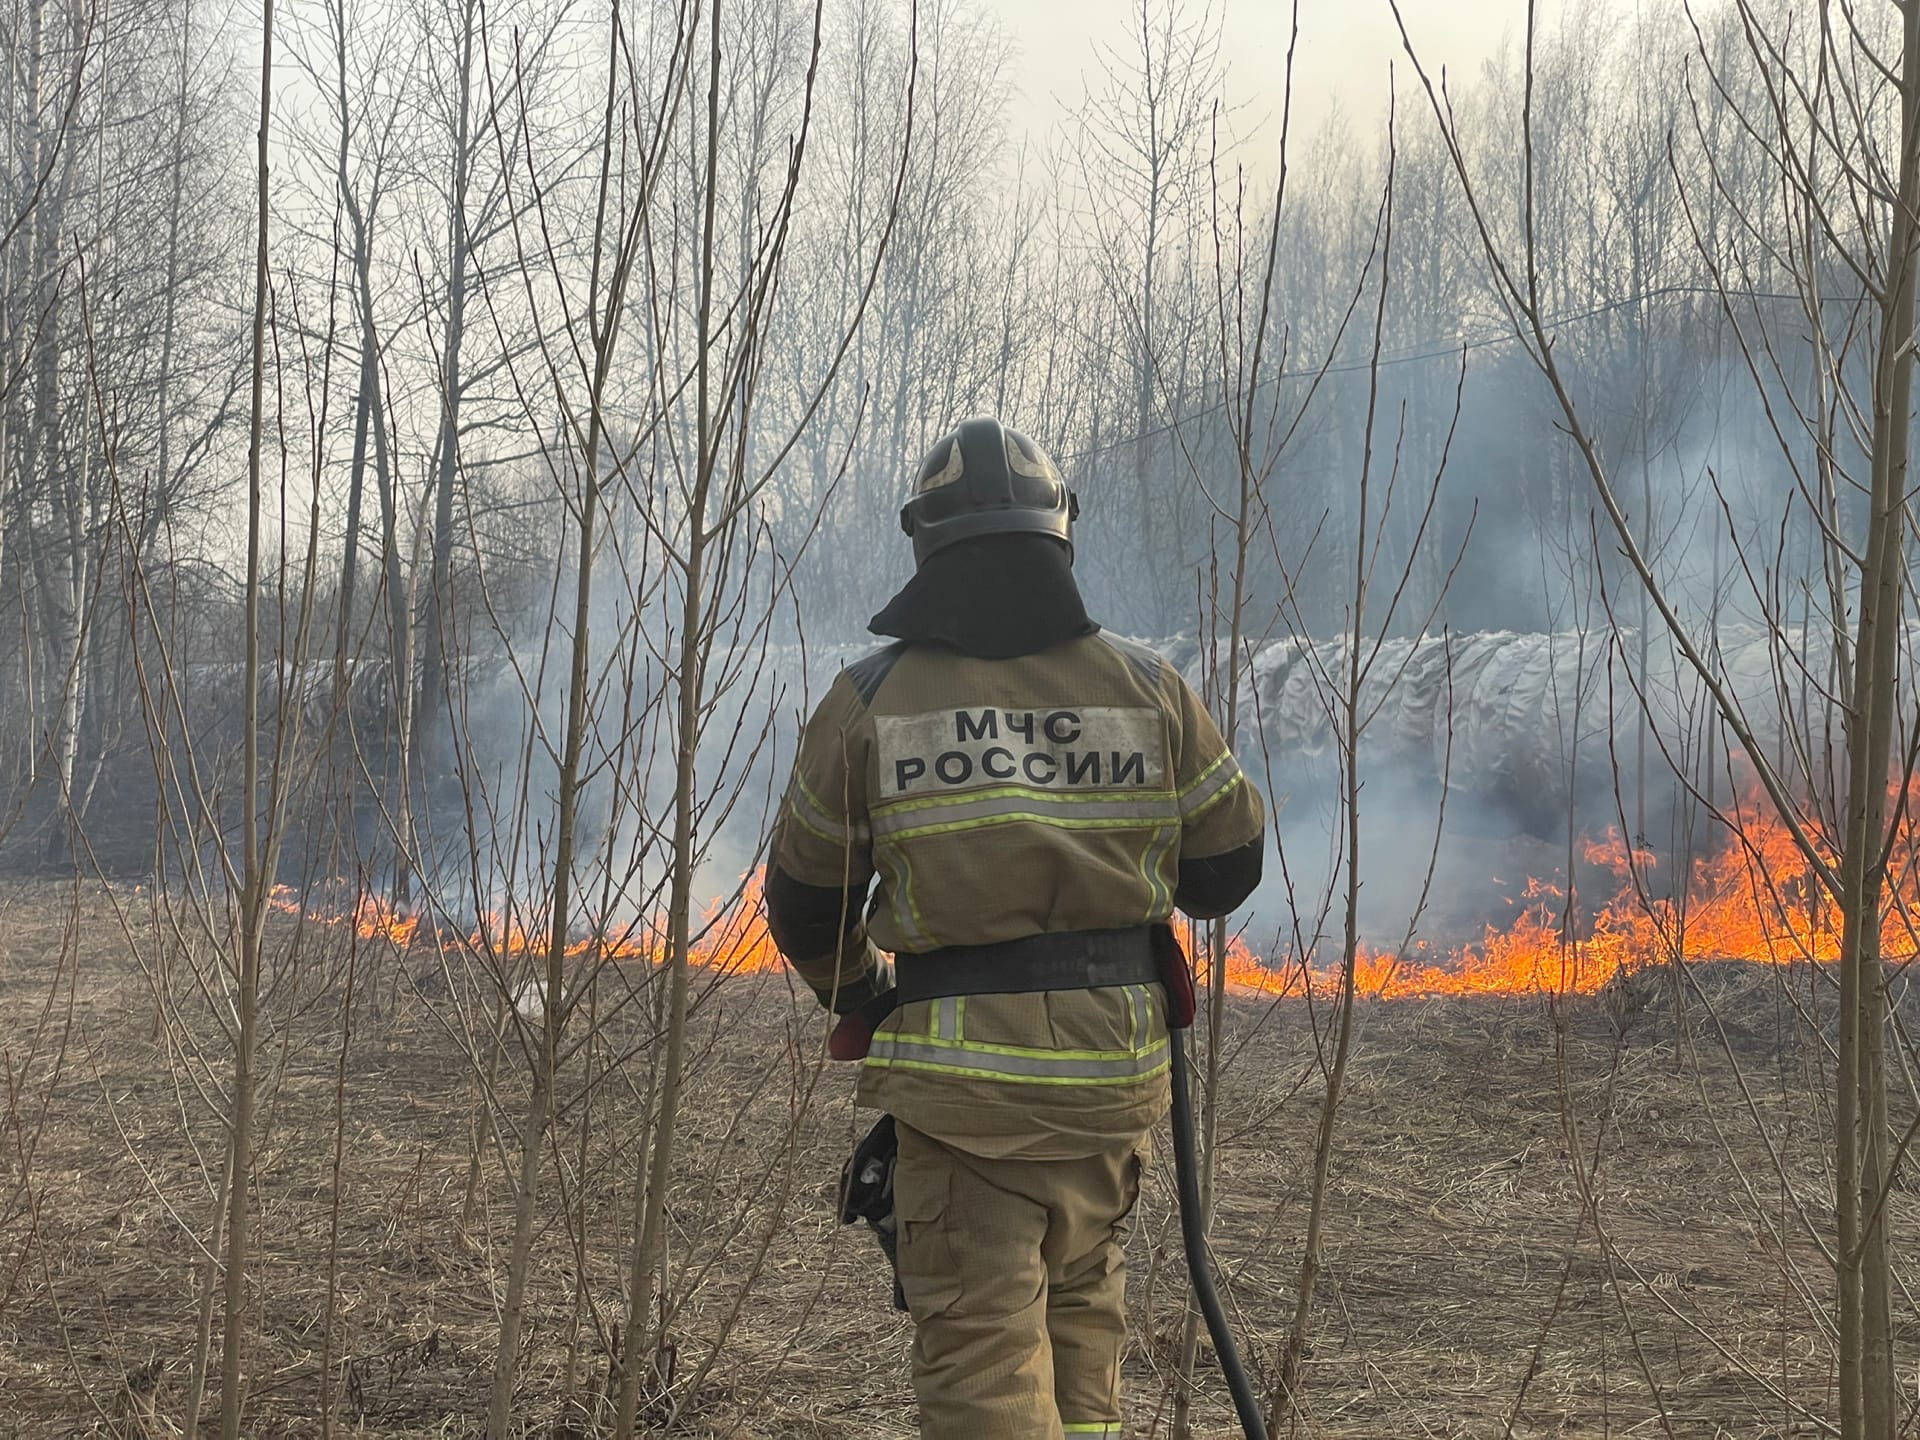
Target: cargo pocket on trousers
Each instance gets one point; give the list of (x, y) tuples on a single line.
[(928, 1276)]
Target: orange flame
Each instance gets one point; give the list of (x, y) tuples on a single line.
[(729, 936), (1757, 900)]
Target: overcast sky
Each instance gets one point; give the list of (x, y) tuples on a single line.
[(1341, 66)]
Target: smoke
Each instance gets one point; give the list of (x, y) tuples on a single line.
[(1485, 756)]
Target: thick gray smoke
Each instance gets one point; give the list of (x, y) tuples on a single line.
[(1533, 724), (1533, 737)]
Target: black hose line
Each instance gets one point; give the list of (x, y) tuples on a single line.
[(1187, 1181)]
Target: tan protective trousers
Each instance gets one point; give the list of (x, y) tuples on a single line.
[(1014, 1272)]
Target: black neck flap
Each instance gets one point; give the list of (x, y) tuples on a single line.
[(994, 598)]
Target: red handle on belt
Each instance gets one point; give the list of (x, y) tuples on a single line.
[(851, 1038)]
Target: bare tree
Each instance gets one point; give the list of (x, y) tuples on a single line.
[(1813, 78), (720, 484), (1142, 158)]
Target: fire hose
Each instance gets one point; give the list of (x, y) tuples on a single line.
[(1194, 1235), (867, 1182)]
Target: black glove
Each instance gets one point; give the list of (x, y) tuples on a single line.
[(866, 1193)]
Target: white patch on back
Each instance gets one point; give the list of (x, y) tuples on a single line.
[(1068, 749)]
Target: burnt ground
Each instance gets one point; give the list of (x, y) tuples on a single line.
[(1465, 1291)]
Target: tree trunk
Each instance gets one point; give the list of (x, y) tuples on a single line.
[(1869, 1406), (252, 900), (425, 747), (1351, 724), (653, 1200), (540, 1102), (350, 546)]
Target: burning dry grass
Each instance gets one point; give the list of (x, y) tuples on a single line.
[(1754, 899), (1463, 1288), (729, 938)]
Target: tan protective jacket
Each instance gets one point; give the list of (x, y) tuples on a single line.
[(997, 799)]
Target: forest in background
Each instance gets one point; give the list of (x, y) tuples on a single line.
[(432, 191), (444, 448)]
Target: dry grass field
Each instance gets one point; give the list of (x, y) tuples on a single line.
[(1466, 1292)]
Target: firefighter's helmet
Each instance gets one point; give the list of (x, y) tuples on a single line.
[(983, 478)]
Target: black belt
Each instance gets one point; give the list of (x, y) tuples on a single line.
[(1067, 960)]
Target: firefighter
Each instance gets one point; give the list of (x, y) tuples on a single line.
[(1034, 797)]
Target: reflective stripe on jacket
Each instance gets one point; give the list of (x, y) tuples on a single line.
[(997, 799)]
